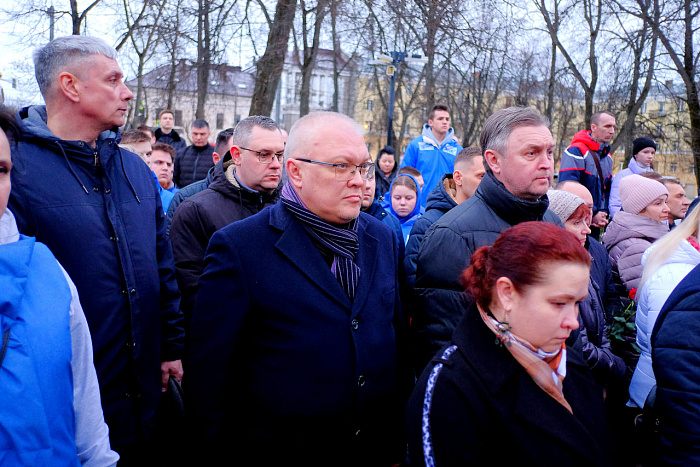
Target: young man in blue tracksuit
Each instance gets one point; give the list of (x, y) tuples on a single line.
[(433, 152)]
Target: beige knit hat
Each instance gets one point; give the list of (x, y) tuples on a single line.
[(563, 203), (637, 192)]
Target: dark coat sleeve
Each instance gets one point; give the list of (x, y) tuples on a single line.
[(172, 321), (676, 362), (189, 237), (440, 301), (220, 309), (418, 231), (177, 170)]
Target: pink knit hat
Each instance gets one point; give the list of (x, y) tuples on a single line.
[(637, 192)]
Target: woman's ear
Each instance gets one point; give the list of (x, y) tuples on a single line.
[(506, 293)]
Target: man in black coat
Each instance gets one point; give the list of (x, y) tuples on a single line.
[(518, 151), (294, 341), (193, 162), (166, 133), (243, 183)]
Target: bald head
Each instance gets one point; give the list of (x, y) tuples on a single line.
[(303, 134)]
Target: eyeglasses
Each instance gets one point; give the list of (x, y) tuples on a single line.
[(346, 171), (265, 157)]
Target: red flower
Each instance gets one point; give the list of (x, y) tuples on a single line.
[(633, 294)]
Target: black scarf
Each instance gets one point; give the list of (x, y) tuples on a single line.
[(341, 244)]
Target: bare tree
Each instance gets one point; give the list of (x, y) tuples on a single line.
[(676, 23), (592, 12), (270, 66), (307, 60)]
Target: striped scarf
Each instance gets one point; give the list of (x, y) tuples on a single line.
[(341, 243)]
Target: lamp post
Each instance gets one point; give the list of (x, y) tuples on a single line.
[(393, 60)]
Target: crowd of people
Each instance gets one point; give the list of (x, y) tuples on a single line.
[(450, 307)]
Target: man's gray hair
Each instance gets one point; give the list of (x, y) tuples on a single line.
[(242, 131), (498, 127), (64, 52), (299, 136)]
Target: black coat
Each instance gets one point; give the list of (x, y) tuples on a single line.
[(173, 138), (445, 253), (486, 410), (438, 203), (183, 193), (282, 368), (196, 220), (192, 164), (675, 353)]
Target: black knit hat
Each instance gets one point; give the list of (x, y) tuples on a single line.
[(642, 143)]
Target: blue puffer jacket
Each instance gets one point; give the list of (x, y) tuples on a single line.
[(410, 219), (675, 344), (433, 160), (106, 226), (37, 421), (439, 202)]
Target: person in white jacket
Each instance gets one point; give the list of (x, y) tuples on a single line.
[(665, 263)]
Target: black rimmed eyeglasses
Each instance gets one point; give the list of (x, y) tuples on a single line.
[(345, 171), (265, 157)]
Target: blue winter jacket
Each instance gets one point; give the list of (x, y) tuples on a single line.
[(433, 160), (99, 212), (37, 421), (407, 221), (675, 352)]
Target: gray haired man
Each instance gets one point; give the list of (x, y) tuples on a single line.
[(97, 208), (518, 152)]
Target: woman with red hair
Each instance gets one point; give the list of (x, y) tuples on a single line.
[(508, 391)]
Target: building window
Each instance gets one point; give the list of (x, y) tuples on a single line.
[(321, 90), (644, 108), (238, 119), (675, 146), (692, 168), (672, 167), (368, 126), (370, 105), (680, 106), (219, 121), (621, 164), (661, 108)]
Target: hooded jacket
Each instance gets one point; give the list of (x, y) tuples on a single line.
[(200, 216), (173, 138), (632, 168), (433, 160), (653, 295), (626, 238), (410, 219), (99, 212), (445, 253), (440, 200), (577, 164), (192, 164), (184, 193)]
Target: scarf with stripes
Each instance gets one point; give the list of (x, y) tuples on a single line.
[(340, 243)]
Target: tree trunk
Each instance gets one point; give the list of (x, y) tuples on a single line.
[(270, 65), (310, 54), (203, 57)]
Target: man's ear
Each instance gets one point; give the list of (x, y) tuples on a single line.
[(236, 155), (458, 177), (68, 86), (494, 160), (215, 157), (294, 173)]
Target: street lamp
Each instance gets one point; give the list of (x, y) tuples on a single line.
[(392, 61)]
